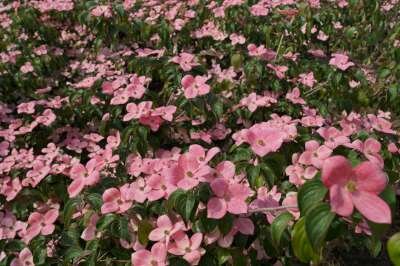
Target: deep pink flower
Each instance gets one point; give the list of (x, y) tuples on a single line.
[(188, 248), (357, 187), (156, 257), (195, 86)]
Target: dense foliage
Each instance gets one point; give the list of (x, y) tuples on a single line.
[(198, 132)]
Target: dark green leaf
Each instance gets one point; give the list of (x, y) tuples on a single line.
[(278, 226), (318, 221), (144, 230), (310, 194), (301, 245)]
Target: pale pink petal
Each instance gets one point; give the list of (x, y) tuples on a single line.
[(370, 177), (244, 225), (196, 240), (75, 187), (108, 207), (159, 251), (193, 257), (341, 200), (157, 234), (141, 258), (164, 222), (237, 206), (47, 229), (216, 208), (372, 145), (336, 170), (51, 216), (372, 207), (219, 187), (111, 194)]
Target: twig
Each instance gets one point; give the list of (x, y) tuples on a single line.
[(271, 209)]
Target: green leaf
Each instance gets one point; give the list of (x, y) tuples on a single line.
[(242, 154), (95, 200), (69, 209), (144, 230), (223, 255), (190, 206), (301, 245), (72, 253), (105, 221), (393, 248), (225, 224), (278, 226), (318, 221), (173, 198), (177, 261), (310, 194)]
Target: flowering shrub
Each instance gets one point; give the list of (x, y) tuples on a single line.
[(197, 132)]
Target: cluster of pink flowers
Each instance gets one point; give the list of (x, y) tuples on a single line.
[(267, 137), (149, 116)]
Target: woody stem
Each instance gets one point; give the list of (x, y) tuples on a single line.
[(271, 209)]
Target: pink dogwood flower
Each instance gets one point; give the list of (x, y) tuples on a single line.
[(89, 233), (165, 229), (83, 176), (370, 148), (188, 248), (333, 137), (24, 258), (185, 60), (307, 79), (228, 198), (264, 139), (195, 86), (117, 200), (357, 187), (192, 167), (314, 154), (294, 96), (39, 223), (341, 61), (156, 257)]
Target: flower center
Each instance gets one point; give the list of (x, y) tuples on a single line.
[(189, 174), (351, 186), (187, 250), (260, 142)]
